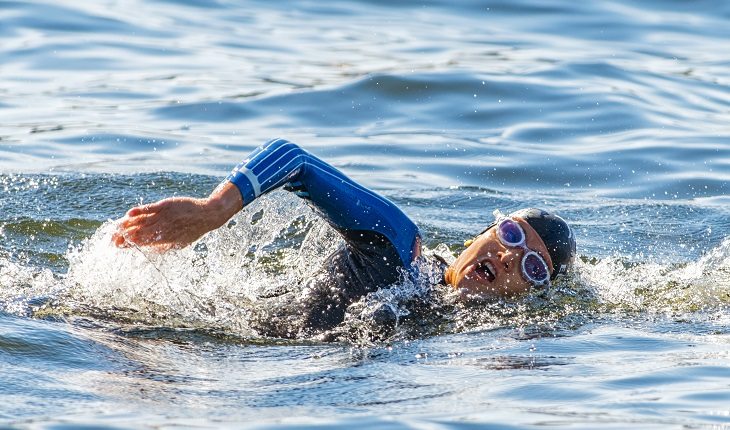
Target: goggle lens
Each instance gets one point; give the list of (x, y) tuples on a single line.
[(510, 233), (534, 268)]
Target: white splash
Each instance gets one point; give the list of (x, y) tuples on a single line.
[(212, 283), (24, 289), (703, 285)]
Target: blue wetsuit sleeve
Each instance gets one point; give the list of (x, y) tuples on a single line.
[(352, 209)]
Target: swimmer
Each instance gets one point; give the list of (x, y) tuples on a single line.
[(518, 252)]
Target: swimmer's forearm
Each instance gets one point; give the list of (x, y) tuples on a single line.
[(224, 202)]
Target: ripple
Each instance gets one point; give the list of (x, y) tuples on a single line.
[(54, 17), (205, 111), (49, 345)]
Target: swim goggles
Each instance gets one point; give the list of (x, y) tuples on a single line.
[(534, 268)]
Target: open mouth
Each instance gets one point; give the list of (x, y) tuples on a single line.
[(484, 271)]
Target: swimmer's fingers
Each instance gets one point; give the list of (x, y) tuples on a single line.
[(145, 235), (135, 230), (146, 209), (119, 241), (138, 220), (143, 215), (122, 237), (119, 236)]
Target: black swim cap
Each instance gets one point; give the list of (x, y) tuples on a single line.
[(556, 234)]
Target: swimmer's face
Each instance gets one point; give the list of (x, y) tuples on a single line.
[(489, 268)]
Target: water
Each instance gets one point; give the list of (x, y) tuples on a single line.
[(613, 114)]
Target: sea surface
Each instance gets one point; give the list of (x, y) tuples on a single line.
[(614, 114)]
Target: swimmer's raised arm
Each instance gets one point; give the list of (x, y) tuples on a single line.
[(363, 217), (360, 215)]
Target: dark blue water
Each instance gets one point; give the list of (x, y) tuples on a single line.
[(613, 114)]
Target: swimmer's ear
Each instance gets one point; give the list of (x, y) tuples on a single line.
[(468, 243)]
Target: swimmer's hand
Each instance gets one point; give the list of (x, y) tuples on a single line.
[(177, 222)]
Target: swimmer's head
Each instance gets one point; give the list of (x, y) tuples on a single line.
[(518, 251)]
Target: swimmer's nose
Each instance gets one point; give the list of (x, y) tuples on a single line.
[(508, 258)]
